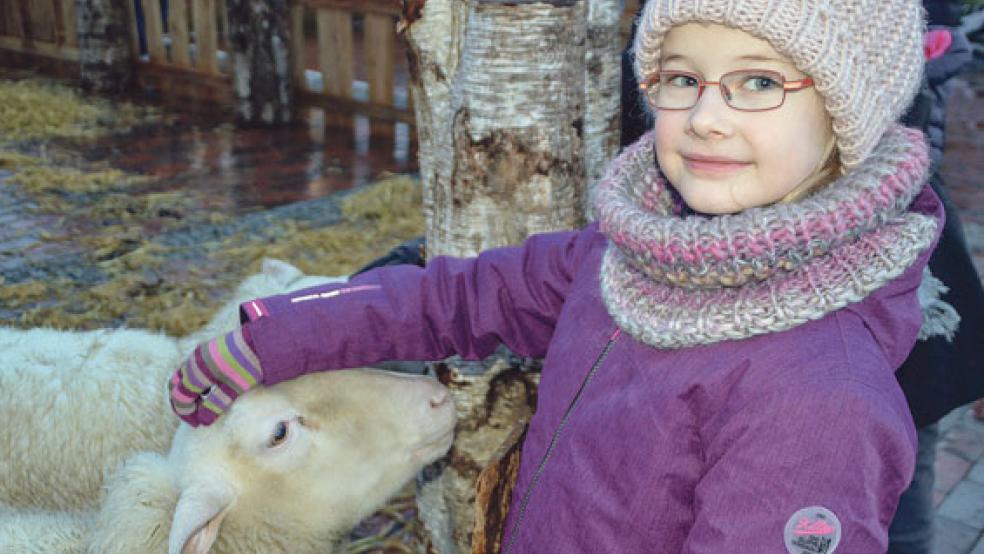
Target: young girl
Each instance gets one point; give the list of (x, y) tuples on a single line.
[(719, 347)]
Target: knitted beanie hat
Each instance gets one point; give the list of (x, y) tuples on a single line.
[(865, 56)]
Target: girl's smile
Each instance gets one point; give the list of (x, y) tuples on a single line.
[(713, 166)]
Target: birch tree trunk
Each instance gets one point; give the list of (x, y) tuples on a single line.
[(106, 62), (498, 89), (602, 111), (260, 41)]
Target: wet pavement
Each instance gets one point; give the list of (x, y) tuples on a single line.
[(959, 488), (243, 178), (244, 169)]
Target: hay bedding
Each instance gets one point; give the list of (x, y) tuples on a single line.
[(126, 255)]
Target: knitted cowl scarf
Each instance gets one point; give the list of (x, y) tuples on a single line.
[(673, 281)]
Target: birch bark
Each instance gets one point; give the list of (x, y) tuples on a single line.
[(602, 111), (499, 93)]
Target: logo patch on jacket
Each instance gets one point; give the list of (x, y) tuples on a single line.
[(813, 530)]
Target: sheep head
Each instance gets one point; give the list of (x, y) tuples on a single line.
[(293, 467)]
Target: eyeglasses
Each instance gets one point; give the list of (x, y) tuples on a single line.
[(747, 90)]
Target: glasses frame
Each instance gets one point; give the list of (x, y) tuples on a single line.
[(787, 86)]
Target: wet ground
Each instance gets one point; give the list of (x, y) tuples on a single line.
[(963, 161), (959, 487)]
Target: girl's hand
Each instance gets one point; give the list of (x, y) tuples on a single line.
[(213, 376)]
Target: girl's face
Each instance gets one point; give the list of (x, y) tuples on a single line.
[(722, 160)]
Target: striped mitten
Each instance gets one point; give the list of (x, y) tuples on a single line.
[(213, 376)]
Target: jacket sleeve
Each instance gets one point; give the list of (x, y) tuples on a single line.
[(781, 465), (467, 307)]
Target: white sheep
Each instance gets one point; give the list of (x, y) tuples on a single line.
[(290, 468), (102, 389)]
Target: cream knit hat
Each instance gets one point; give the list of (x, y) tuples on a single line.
[(865, 56)]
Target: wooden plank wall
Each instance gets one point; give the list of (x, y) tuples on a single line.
[(39, 28)]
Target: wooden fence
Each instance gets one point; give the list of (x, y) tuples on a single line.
[(344, 33), (39, 29), (187, 55), (345, 55), (184, 53)]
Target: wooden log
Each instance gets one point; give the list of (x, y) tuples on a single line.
[(205, 36), (336, 59), (298, 52), (154, 30), (177, 24)]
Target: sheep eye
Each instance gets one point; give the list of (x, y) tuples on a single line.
[(280, 434)]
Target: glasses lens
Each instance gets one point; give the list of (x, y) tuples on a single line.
[(675, 91), (753, 90)]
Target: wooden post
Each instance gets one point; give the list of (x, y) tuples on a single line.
[(67, 23), (336, 58), (380, 46), (205, 40), (177, 24), (153, 30), (24, 23), (298, 51), (105, 56), (223, 14), (259, 41), (133, 25)]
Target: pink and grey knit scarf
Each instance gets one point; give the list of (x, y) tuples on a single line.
[(673, 281)]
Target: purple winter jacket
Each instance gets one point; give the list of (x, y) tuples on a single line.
[(634, 449)]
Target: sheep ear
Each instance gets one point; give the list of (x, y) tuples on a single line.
[(197, 519), (280, 271)]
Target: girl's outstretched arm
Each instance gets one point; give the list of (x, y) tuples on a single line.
[(510, 296)]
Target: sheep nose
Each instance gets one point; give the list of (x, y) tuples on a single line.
[(439, 398)]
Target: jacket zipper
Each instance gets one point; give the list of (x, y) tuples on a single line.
[(556, 436)]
